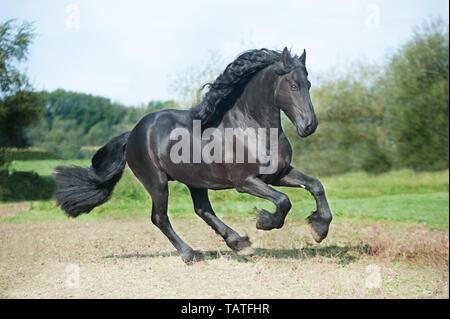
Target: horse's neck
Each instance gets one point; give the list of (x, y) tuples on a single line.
[(255, 106)]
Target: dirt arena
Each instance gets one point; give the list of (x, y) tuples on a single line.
[(132, 259)]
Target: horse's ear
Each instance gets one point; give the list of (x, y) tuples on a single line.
[(303, 57), (286, 57)]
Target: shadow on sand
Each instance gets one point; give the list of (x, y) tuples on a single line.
[(342, 254)]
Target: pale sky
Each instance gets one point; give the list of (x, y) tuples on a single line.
[(130, 51)]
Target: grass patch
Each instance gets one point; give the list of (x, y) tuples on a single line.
[(44, 167), (33, 154), (429, 209), (399, 196)]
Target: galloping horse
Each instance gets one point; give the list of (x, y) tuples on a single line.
[(250, 93)]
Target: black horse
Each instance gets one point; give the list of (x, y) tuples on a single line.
[(249, 94)]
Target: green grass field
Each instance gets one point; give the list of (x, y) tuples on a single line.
[(399, 196)]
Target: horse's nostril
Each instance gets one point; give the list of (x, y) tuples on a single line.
[(308, 128)]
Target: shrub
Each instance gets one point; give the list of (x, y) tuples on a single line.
[(18, 186)]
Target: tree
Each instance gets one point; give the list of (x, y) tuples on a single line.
[(19, 106), (415, 91)]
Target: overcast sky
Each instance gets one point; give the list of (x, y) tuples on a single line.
[(131, 51)]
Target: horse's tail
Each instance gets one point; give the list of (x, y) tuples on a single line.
[(80, 189)]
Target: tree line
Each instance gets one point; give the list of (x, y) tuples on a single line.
[(74, 124)]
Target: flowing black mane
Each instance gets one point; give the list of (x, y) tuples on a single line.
[(228, 85)]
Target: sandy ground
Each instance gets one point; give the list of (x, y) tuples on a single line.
[(132, 259)]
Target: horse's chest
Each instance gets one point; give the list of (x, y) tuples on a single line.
[(283, 162), (284, 154)]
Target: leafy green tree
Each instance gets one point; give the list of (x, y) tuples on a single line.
[(415, 90), (19, 107)]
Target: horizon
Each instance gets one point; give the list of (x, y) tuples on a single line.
[(132, 54)]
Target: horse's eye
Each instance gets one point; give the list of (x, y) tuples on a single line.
[(294, 87)]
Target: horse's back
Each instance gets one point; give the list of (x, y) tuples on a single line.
[(150, 137)]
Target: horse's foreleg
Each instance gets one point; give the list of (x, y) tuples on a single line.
[(203, 209), (266, 220), (320, 219)]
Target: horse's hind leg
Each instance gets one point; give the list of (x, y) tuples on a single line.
[(203, 209), (156, 185)]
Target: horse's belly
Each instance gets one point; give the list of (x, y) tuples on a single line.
[(210, 175)]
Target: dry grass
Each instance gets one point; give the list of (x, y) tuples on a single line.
[(131, 258), (408, 244)]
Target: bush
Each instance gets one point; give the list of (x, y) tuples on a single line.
[(19, 186)]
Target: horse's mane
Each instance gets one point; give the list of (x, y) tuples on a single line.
[(229, 84)]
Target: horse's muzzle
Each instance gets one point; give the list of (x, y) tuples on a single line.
[(308, 129)]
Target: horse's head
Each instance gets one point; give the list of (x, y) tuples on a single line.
[(292, 93)]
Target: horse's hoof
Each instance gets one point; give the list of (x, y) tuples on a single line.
[(319, 227), (247, 251), (191, 257), (239, 243), (266, 221), (316, 236)]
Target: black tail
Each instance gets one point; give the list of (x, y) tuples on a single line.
[(80, 189)]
